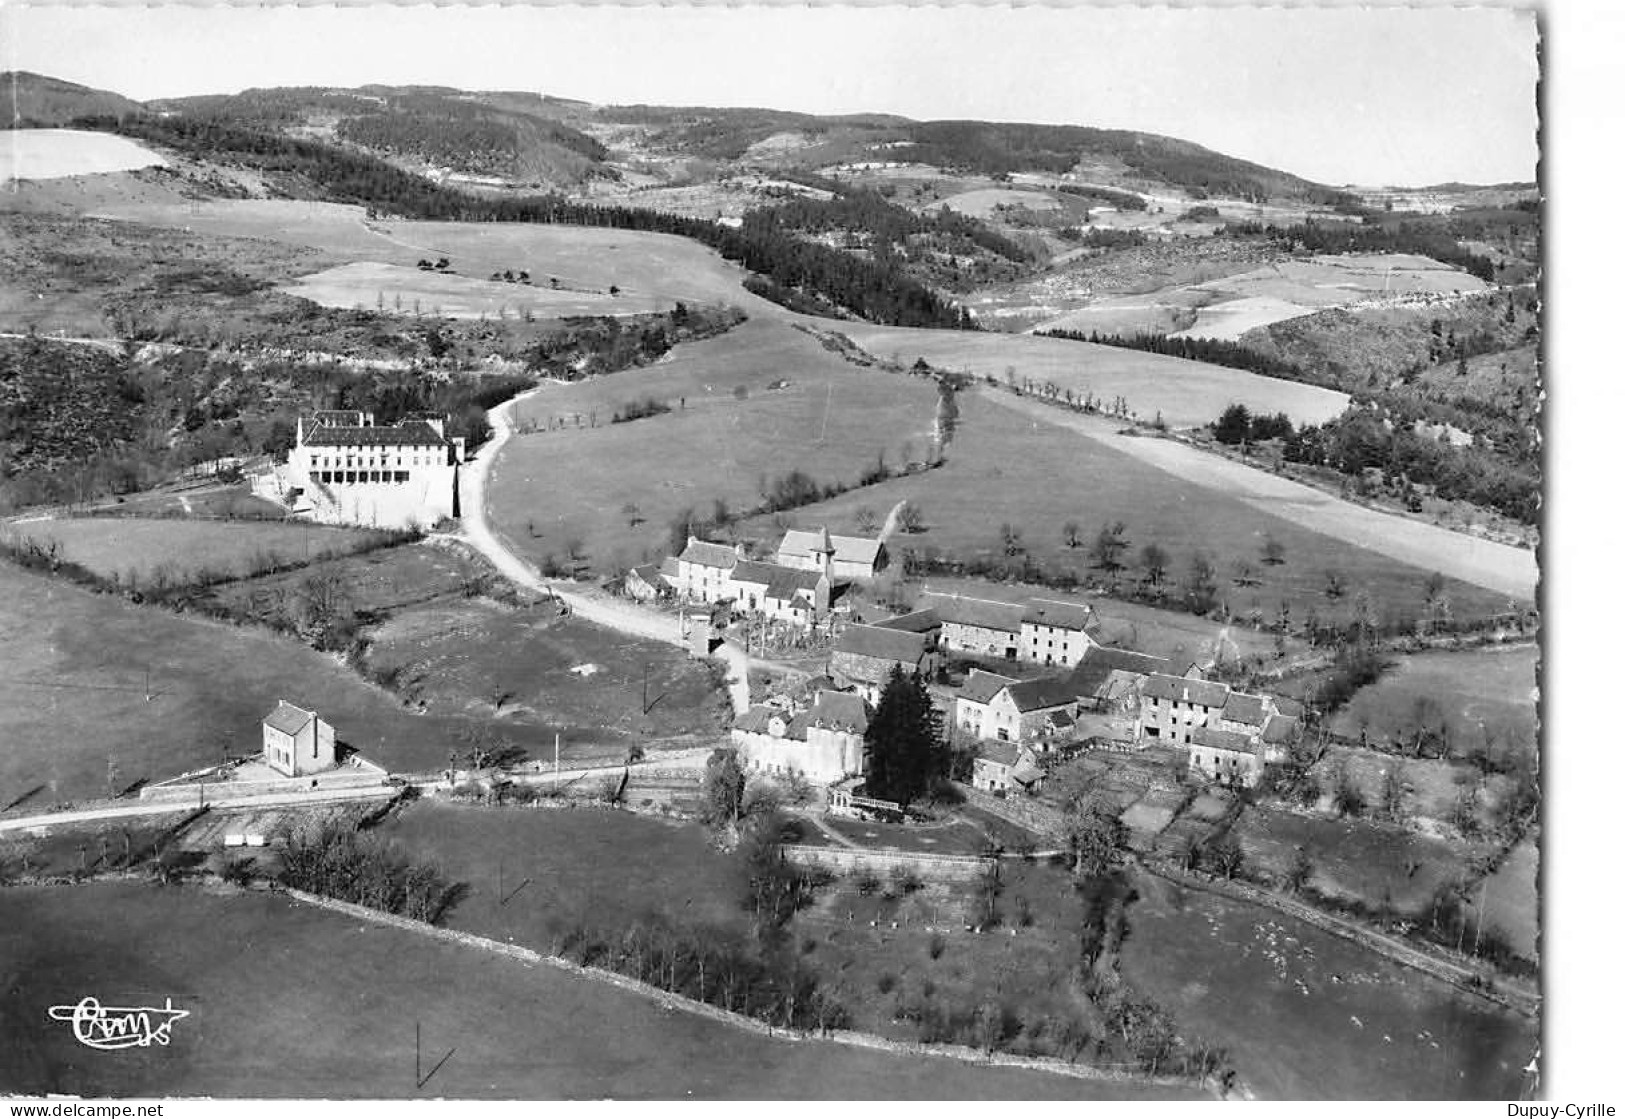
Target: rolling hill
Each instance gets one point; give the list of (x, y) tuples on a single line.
[(35, 101)]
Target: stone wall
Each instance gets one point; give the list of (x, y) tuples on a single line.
[(848, 860)]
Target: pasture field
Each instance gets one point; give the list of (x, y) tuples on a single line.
[(831, 420), (1431, 785), (536, 672), (405, 290), (73, 695), (1352, 858), (1037, 476), (1476, 692), (1307, 1015), (1186, 393), (655, 267), (598, 867), (176, 548), (379, 582), (1511, 898), (215, 500), (349, 1025), (58, 153)]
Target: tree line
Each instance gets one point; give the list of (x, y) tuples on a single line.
[(1213, 351), (1420, 238), (877, 290)]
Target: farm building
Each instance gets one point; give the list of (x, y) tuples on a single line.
[(848, 557), (997, 707), (1003, 767), (296, 742), (1109, 680), (1173, 706), (347, 469), (864, 656), (784, 594), (703, 570), (822, 744), (648, 581), (1228, 757), (1041, 630)]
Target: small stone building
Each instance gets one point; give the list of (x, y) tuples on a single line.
[(297, 742)]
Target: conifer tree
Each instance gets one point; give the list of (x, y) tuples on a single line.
[(902, 742)]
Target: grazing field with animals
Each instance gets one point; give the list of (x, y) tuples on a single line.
[(1307, 1015)]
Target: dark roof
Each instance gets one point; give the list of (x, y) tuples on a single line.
[(1000, 753), (980, 687), (755, 719), (287, 718), (1279, 729), (338, 416), (648, 572), (839, 709), (1026, 771), (885, 644), (1203, 692), (752, 571), (412, 433), (707, 554), (1288, 706), (786, 581), (1247, 709), (1046, 691), (984, 613), (918, 621), (668, 567), (1062, 718), (1063, 615), (1233, 741), (1098, 664)]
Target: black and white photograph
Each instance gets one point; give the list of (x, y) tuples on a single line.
[(772, 552)]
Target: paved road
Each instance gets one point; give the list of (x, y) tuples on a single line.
[(165, 807), (617, 614), (1499, 567)]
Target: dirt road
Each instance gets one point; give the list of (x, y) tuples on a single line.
[(1498, 567), (617, 614), (169, 807)]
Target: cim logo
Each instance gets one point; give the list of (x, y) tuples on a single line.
[(119, 1027)]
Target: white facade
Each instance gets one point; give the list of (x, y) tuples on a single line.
[(385, 477)]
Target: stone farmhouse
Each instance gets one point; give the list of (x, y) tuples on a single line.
[(783, 594), (650, 581), (990, 706), (1043, 631), (297, 742), (1231, 735), (822, 744), (347, 469), (863, 658), (1004, 767), (1109, 680), (852, 557), (704, 569)]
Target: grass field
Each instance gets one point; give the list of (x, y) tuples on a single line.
[(118, 546), (600, 867), (378, 582), (1232, 972), (645, 266), (1004, 468), (56, 153), (1511, 898), (460, 656), (348, 1025), (1474, 691), (1186, 393), (74, 695), (830, 420), (411, 290), (1352, 858)]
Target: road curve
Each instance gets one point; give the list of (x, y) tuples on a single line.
[(615, 614), (1498, 567)]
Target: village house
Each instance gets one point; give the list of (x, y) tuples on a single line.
[(1228, 757), (783, 594), (347, 469), (297, 742), (1054, 632), (823, 744), (864, 656), (704, 570), (1004, 767), (843, 557), (1173, 706), (649, 581), (996, 707)]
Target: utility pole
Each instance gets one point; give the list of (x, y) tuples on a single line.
[(555, 759)]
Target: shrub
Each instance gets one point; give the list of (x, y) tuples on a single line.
[(938, 945)]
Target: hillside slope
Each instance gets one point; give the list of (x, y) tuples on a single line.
[(30, 100)]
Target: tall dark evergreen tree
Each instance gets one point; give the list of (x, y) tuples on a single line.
[(903, 743)]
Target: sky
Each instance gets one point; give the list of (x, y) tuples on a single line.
[(1373, 96)]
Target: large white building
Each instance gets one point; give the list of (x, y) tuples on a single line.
[(842, 557), (823, 744), (350, 470)]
